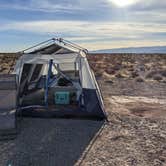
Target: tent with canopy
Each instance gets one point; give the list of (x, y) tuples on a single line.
[(55, 80)]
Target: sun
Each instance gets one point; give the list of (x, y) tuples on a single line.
[(123, 3)]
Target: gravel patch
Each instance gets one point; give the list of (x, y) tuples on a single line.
[(49, 142)]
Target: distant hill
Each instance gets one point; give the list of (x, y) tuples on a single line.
[(151, 50)]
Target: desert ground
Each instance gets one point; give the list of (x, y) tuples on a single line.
[(134, 92)]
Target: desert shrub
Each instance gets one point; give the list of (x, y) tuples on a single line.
[(119, 75), (151, 74), (157, 77), (109, 82), (130, 69), (98, 74), (163, 73), (134, 74), (110, 71), (139, 79), (142, 68), (117, 67)]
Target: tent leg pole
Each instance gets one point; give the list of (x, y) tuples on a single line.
[(47, 82)]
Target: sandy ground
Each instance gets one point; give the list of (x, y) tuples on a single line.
[(134, 92)]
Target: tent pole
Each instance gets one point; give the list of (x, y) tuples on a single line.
[(37, 45), (47, 82)]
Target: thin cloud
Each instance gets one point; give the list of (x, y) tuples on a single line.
[(54, 6), (51, 9), (150, 5), (85, 28)]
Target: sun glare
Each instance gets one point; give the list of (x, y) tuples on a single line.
[(123, 3)]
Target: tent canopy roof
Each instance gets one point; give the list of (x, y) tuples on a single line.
[(51, 49), (54, 46), (44, 58)]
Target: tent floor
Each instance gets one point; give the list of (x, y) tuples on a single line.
[(92, 110)]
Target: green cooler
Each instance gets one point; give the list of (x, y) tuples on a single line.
[(62, 98)]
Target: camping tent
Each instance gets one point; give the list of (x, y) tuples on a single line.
[(55, 76)]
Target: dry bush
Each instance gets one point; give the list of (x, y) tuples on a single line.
[(134, 74), (110, 71), (151, 74), (157, 77), (163, 73), (139, 79)]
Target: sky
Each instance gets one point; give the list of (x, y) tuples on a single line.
[(93, 24)]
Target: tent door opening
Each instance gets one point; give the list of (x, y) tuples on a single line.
[(53, 85)]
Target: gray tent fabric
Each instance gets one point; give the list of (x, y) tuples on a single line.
[(8, 97)]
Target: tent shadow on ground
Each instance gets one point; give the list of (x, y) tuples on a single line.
[(49, 142)]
